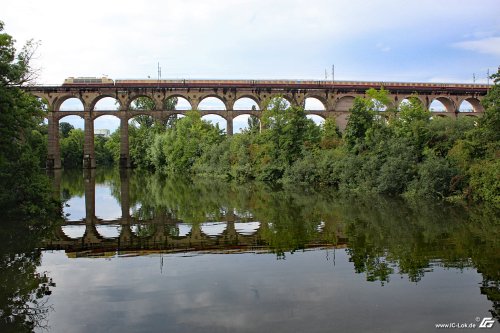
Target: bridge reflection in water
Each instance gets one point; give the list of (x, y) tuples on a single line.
[(164, 232)]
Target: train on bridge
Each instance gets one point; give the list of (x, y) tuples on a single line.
[(82, 82)]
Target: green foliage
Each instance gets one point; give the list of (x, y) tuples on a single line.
[(177, 149), (434, 179), (485, 181), (378, 100), (330, 134), (361, 119), (65, 128), (72, 148), (112, 146), (253, 124), (24, 191), (103, 155)]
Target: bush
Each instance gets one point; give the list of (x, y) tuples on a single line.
[(485, 181), (433, 180)]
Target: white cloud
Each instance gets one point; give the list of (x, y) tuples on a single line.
[(489, 45)]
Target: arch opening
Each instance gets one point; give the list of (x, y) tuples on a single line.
[(245, 104), (74, 231), (247, 228), (177, 103), (213, 229), (465, 106), (471, 105), (71, 141), (314, 104), (216, 120), (107, 104), (211, 104), (246, 122), (441, 104), (278, 101), (318, 120), (109, 231), (409, 101), (71, 104), (142, 103), (437, 106), (104, 128), (180, 230)]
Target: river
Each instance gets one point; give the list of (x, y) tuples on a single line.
[(142, 253)]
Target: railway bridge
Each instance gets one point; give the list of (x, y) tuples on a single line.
[(336, 99)]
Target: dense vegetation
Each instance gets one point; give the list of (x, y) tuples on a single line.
[(24, 191), (402, 151), (29, 210)]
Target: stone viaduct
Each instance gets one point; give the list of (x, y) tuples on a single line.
[(336, 97)]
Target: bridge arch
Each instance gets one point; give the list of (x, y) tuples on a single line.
[(448, 104), (109, 231), (212, 102), (410, 99), (317, 118), (344, 103), (216, 119), (240, 122), (473, 102), (246, 102), (149, 105), (183, 103), (269, 103), (70, 103), (315, 103), (105, 103), (104, 125), (72, 232)]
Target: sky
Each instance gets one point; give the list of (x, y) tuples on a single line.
[(376, 40)]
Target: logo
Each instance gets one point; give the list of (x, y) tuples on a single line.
[(487, 322)]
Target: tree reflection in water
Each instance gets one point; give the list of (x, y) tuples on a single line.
[(383, 237), (24, 291)]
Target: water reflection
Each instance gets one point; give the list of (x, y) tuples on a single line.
[(24, 291), (384, 239)]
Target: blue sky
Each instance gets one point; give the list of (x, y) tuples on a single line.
[(377, 40)]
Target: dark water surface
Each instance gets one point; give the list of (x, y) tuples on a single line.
[(140, 253)]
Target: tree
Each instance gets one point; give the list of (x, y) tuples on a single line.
[(23, 190), (287, 130), (65, 128), (72, 149), (253, 124), (361, 119), (15, 70), (177, 149)]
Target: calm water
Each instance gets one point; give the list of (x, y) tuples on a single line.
[(138, 253)]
